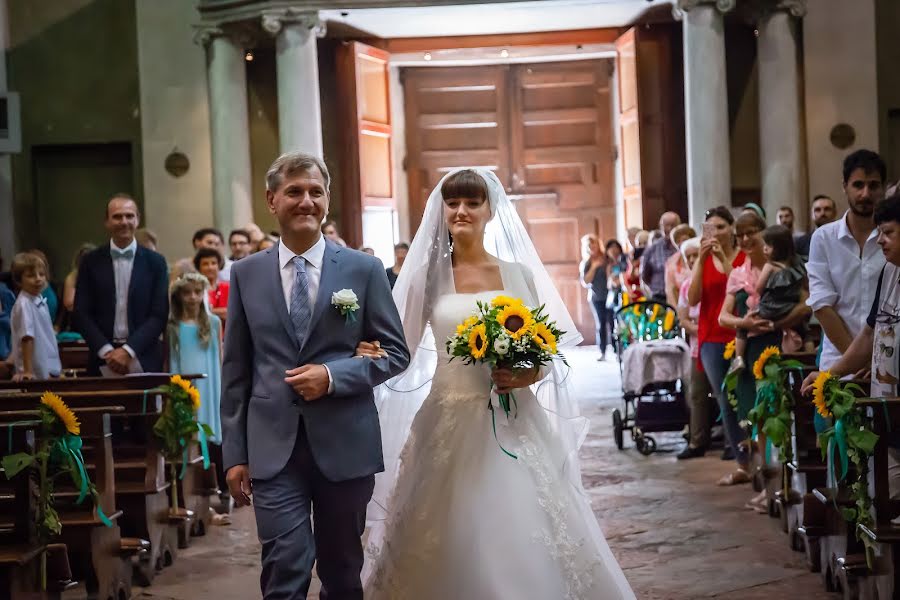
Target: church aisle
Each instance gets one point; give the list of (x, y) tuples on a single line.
[(676, 535)]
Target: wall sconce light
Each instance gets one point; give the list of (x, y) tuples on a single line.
[(504, 53), (248, 56), (427, 56)]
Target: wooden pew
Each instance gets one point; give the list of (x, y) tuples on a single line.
[(19, 549), (882, 580), (198, 485), (141, 485), (94, 550), (73, 357)]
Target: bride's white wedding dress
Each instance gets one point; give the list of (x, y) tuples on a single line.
[(468, 522)]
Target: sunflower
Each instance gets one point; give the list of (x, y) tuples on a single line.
[(819, 393), (544, 337), (669, 321), (194, 393), (760, 364), (462, 327), (503, 301), (516, 319), (62, 412), (626, 299), (181, 382), (478, 341), (729, 351), (655, 313)]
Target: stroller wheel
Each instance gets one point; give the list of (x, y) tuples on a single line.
[(646, 445), (617, 428)]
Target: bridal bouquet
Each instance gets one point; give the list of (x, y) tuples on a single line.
[(506, 333)]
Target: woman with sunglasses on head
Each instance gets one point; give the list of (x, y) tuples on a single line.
[(718, 256)]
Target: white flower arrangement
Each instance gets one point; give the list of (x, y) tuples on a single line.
[(347, 303)]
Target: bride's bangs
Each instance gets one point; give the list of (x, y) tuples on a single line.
[(464, 184)]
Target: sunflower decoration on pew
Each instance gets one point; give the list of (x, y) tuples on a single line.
[(57, 455), (729, 384), (176, 427), (850, 439), (773, 411), (506, 332)]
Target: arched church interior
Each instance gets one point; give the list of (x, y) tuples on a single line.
[(608, 123)]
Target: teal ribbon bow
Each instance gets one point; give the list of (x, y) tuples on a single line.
[(204, 450), (71, 445), (840, 444), (505, 400)]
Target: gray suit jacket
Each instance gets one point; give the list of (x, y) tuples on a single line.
[(261, 413)]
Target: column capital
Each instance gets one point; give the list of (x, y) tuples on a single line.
[(680, 7), (755, 11), (204, 34), (273, 21)]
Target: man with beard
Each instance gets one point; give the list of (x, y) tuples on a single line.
[(845, 260), (824, 211)]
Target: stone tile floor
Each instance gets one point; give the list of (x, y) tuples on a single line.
[(676, 535)]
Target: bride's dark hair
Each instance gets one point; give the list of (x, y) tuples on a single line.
[(464, 184)]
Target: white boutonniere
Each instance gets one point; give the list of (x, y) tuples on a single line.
[(346, 302)]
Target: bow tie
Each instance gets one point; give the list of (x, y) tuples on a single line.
[(126, 254)]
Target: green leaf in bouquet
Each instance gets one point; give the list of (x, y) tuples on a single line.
[(849, 514), (15, 463), (863, 439), (791, 364)]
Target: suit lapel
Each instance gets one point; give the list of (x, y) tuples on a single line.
[(327, 282), (107, 277), (135, 284), (277, 291)]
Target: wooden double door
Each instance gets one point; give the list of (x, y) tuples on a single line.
[(545, 129)]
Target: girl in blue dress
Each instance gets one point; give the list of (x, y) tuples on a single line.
[(195, 347)]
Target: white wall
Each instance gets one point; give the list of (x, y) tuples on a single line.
[(174, 113), (840, 86)]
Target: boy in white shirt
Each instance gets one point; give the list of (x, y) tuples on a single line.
[(34, 349)]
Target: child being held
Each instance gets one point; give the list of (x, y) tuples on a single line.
[(35, 353), (780, 286)]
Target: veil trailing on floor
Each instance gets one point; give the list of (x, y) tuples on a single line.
[(427, 274)]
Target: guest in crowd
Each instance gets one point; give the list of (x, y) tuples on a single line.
[(121, 298), (256, 235), (195, 346), (330, 231), (677, 269), (240, 244), (35, 353), (208, 263), (69, 287), (147, 239), (7, 299), (718, 256), (210, 237), (824, 211), (616, 271), (698, 386), (267, 243), (367, 250), (785, 218), (400, 252), (653, 264), (845, 260), (48, 293), (593, 279)]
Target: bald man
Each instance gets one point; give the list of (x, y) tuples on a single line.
[(653, 265), (121, 298)]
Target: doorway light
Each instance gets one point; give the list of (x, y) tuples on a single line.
[(248, 56)]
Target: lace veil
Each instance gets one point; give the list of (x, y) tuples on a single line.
[(427, 274)]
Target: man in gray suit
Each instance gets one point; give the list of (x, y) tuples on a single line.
[(300, 427)]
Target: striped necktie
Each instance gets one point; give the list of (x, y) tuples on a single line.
[(301, 312)]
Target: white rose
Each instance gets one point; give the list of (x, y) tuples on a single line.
[(501, 345), (344, 298)]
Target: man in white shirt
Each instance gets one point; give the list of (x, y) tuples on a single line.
[(121, 297), (845, 259)]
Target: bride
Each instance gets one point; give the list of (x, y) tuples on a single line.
[(453, 517)]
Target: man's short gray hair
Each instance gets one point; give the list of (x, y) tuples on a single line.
[(291, 163)]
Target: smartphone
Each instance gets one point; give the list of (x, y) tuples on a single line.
[(709, 231)]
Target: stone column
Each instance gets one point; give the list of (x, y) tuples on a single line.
[(299, 111), (780, 145), (229, 130), (705, 105)]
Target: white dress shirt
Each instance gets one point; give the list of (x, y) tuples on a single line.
[(30, 318), (842, 279), (225, 272), (122, 268), (314, 258)]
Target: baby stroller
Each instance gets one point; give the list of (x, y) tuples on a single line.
[(654, 362)]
